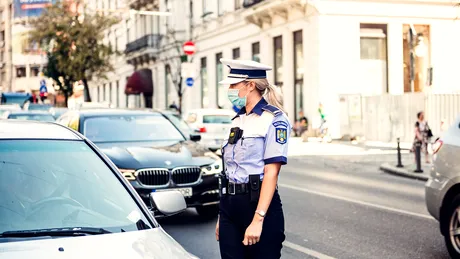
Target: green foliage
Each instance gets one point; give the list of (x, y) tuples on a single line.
[(74, 43)]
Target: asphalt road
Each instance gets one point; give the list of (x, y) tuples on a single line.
[(338, 207)]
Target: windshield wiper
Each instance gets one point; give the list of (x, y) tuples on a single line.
[(77, 231)]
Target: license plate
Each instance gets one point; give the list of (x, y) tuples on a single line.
[(187, 192)]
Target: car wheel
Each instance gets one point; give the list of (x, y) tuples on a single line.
[(208, 212), (452, 224)]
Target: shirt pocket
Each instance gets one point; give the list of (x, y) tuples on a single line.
[(249, 148)]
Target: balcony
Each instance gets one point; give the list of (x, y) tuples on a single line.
[(144, 4), (260, 12), (143, 49)]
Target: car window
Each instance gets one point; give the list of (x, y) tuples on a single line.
[(180, 123), (32, 117), (191, 118), (45, 184), (217, 119), (126, 128)]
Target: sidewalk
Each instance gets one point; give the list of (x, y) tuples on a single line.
[(407, 170)]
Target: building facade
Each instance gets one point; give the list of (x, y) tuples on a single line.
[(320, 50), (6, 10)]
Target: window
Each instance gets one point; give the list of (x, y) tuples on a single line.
[(238, 4), (35, 71), (20, 72), (110, 92), (278, 48), (221, 91), (373, 63), (220, 7), (167, 70), (217, 119), (236, 53), (417, 57), (127, 128), (298, 72), (204, 83), (256, 51), (118, 93)]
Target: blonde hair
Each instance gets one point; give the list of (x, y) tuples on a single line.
[(271, 93)]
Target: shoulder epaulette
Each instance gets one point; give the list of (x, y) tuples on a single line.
[(272, 109)]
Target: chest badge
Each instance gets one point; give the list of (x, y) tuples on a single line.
[(281, 135)]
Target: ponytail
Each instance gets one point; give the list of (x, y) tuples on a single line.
[(271, 93)]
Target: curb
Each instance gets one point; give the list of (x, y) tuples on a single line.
[(402, 172)]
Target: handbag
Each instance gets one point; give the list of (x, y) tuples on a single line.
[(428, 131)]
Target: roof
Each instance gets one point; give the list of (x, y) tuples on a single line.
[(17, 129), (104, 111), (28, 112)]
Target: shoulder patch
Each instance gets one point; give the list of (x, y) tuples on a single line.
[(280, 123), (281, 135), (272, 109)]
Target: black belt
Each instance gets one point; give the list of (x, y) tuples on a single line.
[(238, 188)]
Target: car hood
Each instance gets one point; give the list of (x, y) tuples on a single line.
[(146, 244), (167, 154)]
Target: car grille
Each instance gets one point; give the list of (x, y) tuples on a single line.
[(186, 175), (160, 177), (153, 177)]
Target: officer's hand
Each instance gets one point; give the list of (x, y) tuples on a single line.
[(253, 232), (217, 230)]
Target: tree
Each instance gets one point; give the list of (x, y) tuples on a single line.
[(74, 41)]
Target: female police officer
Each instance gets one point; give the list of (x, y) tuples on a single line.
[(251, 220)]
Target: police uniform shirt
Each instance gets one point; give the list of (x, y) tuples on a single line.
[(266, 130)]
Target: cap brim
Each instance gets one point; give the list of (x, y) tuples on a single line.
[(231, 81)]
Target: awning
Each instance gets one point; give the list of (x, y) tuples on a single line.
[(140, 82)]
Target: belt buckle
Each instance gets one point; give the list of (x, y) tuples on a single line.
[(230, 189)]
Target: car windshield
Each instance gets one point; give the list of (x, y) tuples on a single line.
[(128, 128), (32, 117), (180, 123), (217, 119), (44, 184)]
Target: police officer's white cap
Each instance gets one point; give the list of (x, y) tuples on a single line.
[(241, 70)]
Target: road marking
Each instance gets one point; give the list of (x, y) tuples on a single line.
[(356, 201), (306, 250)]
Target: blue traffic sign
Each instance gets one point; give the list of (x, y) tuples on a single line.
[(189, 81)]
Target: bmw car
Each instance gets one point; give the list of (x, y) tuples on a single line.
[(153, 154)]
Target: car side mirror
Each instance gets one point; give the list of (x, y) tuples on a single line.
[(168, 202), (195, 137)]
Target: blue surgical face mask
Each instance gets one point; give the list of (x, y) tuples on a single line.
[(233, 96)]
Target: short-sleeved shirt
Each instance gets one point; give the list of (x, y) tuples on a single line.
[(266, 131)]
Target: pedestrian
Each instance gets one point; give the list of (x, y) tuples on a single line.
[(301, 124), (423, 135), (251, 218)]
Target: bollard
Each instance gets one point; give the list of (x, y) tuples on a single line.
[(418, 150), (399, 154)]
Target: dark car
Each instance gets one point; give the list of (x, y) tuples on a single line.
[(59, 193), (152, 154), (29, 115), (15, 98)]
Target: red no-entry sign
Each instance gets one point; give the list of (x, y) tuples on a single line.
[(189, 48)]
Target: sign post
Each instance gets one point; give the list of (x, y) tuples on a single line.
[(189, 81)]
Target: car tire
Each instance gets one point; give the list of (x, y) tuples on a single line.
[(451, 221), (208, 212)]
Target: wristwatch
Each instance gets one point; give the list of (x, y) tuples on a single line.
[(261, 213)]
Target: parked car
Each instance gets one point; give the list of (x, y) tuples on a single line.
[(15, 98), (37, 107), (153, 154), (29, 115), (213, 125), (442, 190), (9, 107), (61, 197), (58, 111)]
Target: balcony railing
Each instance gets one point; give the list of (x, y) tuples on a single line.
[(249, 3), (147, 41)]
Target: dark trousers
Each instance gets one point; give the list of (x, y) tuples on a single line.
[(236, 214)]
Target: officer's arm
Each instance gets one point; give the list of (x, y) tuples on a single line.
[(275, 155)]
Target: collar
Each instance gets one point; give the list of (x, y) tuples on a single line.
[(257, 109)]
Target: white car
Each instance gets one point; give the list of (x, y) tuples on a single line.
[(212, 124), (442, 190)]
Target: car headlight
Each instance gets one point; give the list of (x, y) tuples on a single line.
[(212, 169), (129, 174)]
